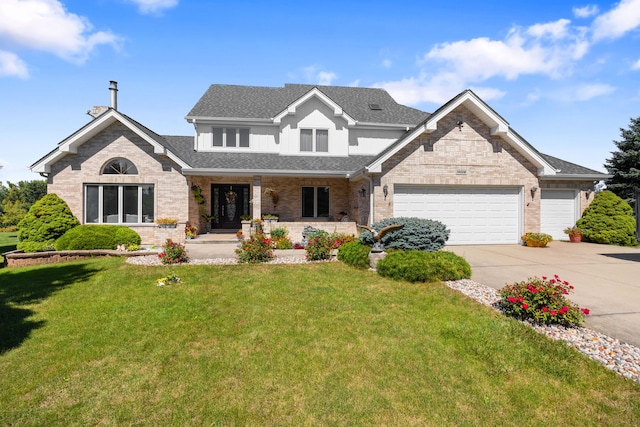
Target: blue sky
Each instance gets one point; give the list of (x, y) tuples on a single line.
[(564, 74)]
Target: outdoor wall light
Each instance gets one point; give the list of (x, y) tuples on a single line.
[(362, 192), (385, 191), (460, 123), (533, 191), (588, 193)]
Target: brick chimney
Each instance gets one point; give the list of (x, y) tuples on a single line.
[(98, 110)]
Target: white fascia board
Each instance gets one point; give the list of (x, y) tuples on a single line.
[(70, 144), (376, 166), (393, 126), (266, 172), (315, 92), (228, 120), (544, 168), (157, 147), (496, 124), (576, 177)]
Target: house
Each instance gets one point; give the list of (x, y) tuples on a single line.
[(322, 155)]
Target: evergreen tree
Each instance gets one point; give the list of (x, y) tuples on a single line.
[(624, 164)]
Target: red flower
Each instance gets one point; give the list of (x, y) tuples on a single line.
[(525, 306), (585, 311), (545, 309), (511, 299), (520, 299), (553, 312), (544, 277)]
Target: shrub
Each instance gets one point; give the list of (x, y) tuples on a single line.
[(321, 243), (47, 220), (543, 301), (90, 236), (173, 253), (279, 232), (319, 247), (280, 239), (536, 240), (421, 266), (355, 254), (417, 233), (255, 250), (282, 243), (608, 219)]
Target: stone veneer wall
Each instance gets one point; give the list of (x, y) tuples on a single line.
[(295, 228), (69, 175)]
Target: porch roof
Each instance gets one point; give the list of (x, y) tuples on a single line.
[(204, 163)]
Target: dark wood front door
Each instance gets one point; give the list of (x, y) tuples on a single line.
[(229, 202)]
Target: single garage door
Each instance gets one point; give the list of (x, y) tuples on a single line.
[(474, 215), (557, 212)]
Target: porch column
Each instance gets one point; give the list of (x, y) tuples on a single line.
[(256, 199)]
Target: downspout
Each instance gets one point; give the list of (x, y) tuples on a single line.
[(368, 178)]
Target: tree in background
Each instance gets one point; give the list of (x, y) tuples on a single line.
[(16, 199), (624, 164)]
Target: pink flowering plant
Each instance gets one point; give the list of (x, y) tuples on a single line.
[(255, 250), (542, 300), (173, 253)]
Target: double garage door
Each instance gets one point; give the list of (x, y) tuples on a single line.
[(474, 215)]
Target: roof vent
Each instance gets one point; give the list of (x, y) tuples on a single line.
[(375, 107)]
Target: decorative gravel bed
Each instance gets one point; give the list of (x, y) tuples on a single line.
[(616, 355)]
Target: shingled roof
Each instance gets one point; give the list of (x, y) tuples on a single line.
[(269, 163), (256, 102)]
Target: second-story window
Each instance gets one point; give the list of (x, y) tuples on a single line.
[(314, 140), (231, 137)]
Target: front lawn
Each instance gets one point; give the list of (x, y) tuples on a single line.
[(98, 343), (8, 242)]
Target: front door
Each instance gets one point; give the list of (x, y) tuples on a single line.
[(229, 202)]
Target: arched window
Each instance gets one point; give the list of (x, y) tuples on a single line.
[(119, 166)]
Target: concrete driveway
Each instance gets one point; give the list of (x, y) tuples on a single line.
[(606, 278)]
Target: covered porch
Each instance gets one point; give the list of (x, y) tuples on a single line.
[(222, 203)]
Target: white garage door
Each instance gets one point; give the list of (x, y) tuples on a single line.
[(557, 212), (474, 215)]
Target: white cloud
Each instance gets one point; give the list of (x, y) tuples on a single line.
[(325, 78), (586, 11), (11, 65), (589, 91), (154, 6), (624, 17), (448, 68), (387, 63), (45, 25), (636, 65)]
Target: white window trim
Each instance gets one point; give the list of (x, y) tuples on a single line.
[(314, 144), (120, 204)]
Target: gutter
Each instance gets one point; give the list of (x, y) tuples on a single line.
[(575, 177), (268, 172)]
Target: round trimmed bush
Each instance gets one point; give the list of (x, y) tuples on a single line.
[(420, 266), (416, 233), (609, 220), (47, 220), (91, 236), (355, 254)]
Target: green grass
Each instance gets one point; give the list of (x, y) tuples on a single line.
[(8, 242), (97, 343)]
